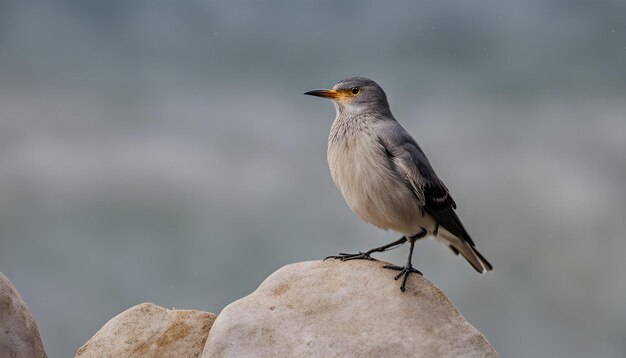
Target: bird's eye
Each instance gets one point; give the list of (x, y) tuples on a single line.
[(355, 90)]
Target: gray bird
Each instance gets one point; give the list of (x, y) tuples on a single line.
[(385, 177)]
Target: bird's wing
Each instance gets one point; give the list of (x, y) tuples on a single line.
[(430, 191)]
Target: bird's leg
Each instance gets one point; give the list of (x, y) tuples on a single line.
[(366, 255), (407, 269)]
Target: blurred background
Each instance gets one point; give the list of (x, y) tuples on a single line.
[(162, 151)]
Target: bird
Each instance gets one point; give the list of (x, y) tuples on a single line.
[(386, 178)]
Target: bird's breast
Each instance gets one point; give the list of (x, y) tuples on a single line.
[(370, 182)]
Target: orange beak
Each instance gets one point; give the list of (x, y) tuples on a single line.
[(331, 94)]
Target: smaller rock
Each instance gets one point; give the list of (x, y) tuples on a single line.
[(148, 330), (19, 336)]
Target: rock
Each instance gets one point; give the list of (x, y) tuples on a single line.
[(343, 309), (148, 330), (19, 336)]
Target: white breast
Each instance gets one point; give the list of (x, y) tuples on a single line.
[(370, 184)]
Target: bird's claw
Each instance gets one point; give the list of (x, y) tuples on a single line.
[(404, 271), (347, 257)]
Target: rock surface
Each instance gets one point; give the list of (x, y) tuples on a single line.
[(148, 330), (19, 336), (343, 309)]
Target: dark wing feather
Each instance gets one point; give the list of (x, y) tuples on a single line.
[(441, 206)]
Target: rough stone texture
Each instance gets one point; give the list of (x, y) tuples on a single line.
[(343, 309), (148, 330), (19, 336)]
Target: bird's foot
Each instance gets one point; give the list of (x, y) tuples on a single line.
[(366, 255), (347, 257), (404, 271)]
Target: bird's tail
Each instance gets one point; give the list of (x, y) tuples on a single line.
[(465, 249)]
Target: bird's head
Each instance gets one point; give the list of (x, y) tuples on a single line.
[(356, 95)]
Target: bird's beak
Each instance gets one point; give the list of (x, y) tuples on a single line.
[(331, 94)]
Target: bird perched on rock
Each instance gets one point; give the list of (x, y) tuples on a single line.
[(385, 177)]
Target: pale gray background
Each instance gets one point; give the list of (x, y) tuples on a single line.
[(162, 151)]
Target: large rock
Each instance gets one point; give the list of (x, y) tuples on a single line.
[(148, 330), (19, 336), (343, 309)]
